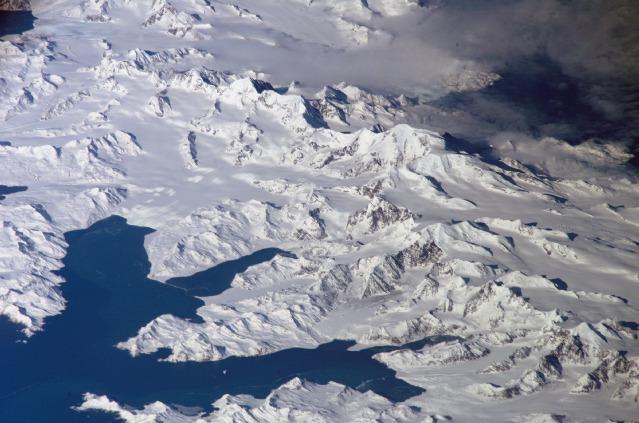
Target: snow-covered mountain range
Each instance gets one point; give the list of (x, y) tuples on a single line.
[(148, 109)]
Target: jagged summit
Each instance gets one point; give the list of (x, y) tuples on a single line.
[(15, 5)]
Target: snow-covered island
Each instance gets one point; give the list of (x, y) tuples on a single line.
[(143, 109)]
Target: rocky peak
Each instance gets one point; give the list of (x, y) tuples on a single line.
[(15, 5)]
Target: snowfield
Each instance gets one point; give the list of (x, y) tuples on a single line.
[(146, 109)]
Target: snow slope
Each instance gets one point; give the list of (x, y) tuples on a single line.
[(154, 116)]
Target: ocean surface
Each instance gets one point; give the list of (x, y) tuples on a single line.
[(15, 22), (109, 297)]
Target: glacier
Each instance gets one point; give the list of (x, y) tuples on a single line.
[(210, 122)]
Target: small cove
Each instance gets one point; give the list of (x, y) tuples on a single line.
[(7, 190), (15, 22)]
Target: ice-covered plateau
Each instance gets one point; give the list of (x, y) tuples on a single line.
[(395, 236)]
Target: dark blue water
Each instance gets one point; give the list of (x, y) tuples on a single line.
[(15, 22), (109, 298), (6, 190), (199, 284)]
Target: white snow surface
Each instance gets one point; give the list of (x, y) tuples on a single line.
[(396, 237), (296, 400)]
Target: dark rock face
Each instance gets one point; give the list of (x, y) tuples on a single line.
[(386, 276), (15, 5), (379, 214)]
